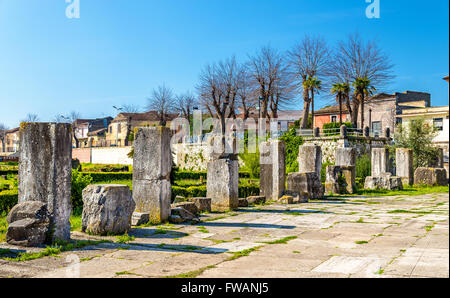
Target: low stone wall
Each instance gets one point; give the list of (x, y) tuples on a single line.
[(363, 145)]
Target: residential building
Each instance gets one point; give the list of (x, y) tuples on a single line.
[(84, 127), (10, 143), (119, 130), (381, 111)]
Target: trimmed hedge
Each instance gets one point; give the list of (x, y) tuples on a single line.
[(200, 191), (8, 199), (189, 175), (107, 177), (8, 172)]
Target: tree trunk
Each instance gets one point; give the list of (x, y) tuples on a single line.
[(362, 110), (354, 113), (304, 122), (312, 109), (340, 108)]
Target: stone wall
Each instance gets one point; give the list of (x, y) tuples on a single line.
[(363, 145), (109, 155)]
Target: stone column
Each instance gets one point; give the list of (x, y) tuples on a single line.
[(310, 159), (45, 171), (272, 169), (404, 165), (346, 160), (223, 184), (152, 165), (380, 161)]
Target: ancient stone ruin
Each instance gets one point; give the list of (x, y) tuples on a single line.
[(272, 169), (44, 176), (381, 177), (430, 177), (107, 209), (404, 165), (223, 175), (152, 165), (346, 161), (306, 183)]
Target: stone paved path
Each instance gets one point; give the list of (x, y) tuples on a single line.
[(353, 237)]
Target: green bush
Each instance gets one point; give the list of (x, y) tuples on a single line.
[(79, 182), (9, 172), (335, 126), (293, 142), (251, 164), (363, 168), (8, 199), (108, 177)]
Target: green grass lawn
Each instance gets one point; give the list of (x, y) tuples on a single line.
[(407, 191)]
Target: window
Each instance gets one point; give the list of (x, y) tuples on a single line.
[(119, 127), (439, 123), (376, 128), (334, 119), (110, 129)]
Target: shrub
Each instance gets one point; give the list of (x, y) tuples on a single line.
[(293, 142), (334, 127), (251, 163), (79, 182), (8, 199), (108, 177), (363, 168)]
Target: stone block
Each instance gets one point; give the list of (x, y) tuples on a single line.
[(272, 169), (310, 159), (189, 206), (28, 224), (181, 215), (45, 169), (298, 197), (152, 159), (222, 184), (380, 161), (404, 165), (243, 202), (288, 200), (345, 156), (107, 209), (203, 204), (430, 176), (256, 200), (153, 197), (139, 218), (349, 173), (306, 183), (384, 181), (333, 173)]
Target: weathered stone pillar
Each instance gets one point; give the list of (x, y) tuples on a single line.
[(310, 159), (343, 131), (223, 184), (316, 132), (272, 169), (380, 161), (45, 171), (404, 165), (152, 165), (346, 160)]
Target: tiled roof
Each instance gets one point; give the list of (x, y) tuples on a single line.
[(331, 110), (148, 116)]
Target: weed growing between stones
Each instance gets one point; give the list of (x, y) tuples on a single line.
[(282, 241)]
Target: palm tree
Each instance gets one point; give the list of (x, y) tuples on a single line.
[(341, 90), (362, 88), (314, 86)]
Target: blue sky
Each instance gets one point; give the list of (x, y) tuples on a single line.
[(119, 50)]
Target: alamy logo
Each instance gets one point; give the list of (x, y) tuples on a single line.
[(373, 10), (73, 9)]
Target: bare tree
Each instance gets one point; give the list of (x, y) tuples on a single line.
[(358, 60), (218, 88), (162, 101), (284, 92), (309, 59), (185, 104), (31, 118), (266, 69), (3, 130), (247, 94), (130, 108)]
